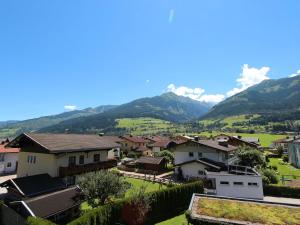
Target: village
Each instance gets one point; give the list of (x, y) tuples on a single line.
[(45, 176)]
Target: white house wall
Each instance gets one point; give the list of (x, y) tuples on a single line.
[(238, 191), (9, 158), (182, 153), (294, 154), (191, 170)]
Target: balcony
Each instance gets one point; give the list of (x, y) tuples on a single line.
[(79, 169)]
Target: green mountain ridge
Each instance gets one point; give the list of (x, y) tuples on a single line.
[(16, 127), (168, 107)]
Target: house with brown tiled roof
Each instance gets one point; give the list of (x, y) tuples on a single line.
[(131, 142), (62, 155), (8, 159)]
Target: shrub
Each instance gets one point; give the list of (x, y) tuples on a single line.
[(285, 158), (165, 204), (282, 191), (269, 176)]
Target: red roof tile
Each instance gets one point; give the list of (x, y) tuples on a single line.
[(8, 150)]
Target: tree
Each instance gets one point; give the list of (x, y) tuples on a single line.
[(167, 154), (98, 187), (250, 157), (135, 211), (280, 151)]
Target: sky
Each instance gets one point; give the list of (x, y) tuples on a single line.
[(58, 56)]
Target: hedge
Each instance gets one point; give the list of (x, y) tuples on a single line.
[(282, 191), (38, 221), (165, 204)]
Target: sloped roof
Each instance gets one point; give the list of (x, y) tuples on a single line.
[(35, 185), (56, 143), (150, 160), (47, 205), (8, 150), (251, 139), (204, 161), (213, 144), (135, 139)]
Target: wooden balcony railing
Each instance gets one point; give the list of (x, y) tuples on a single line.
[(79, 169)]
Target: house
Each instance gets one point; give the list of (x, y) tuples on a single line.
[(131, 143), (8, 159), (142, 151), (31, 186), (253, 140), (236, 140), (162, 145), (284, 142), (42, 196), (59, 206), (116, 152), (294, 152), (214, 162), (62, 155), (151, 163)]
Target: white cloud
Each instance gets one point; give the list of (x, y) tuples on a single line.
[(249, 77), (171, 15), (295, 74), (70, 107), (195, 93)]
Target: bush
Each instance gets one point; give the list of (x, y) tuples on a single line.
[(285, 158), (282, 191), (38, 221), (165, 204), (269, 176)]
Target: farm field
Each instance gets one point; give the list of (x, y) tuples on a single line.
[(265, 139)]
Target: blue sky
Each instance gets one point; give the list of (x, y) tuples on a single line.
[(87, 53)]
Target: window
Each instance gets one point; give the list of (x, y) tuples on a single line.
[(1, 157), (81, 159), (253, 184), (31, 159), (238, 183), (200, 155), (201, 172), (191, 154), (96, 157), (224, 182), (72, 160), (8, 164)]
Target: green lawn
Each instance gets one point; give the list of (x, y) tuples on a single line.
[(284, 168), (136, 183), (265, 139), (178, 220)]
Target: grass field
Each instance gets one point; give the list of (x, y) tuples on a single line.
[(136, 184), (252, 212), (144, 126), (265, 139), (284, 168), (178, 220)]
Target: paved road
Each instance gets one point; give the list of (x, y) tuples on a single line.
[(5, 178), (294, 201)]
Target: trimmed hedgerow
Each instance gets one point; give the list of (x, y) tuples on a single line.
[(164, 204), (38, 221), (282, 191)]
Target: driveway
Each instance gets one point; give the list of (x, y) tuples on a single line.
[(294, 201), (3, 179)]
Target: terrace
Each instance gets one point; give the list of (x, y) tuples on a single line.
[(221, 210), (79, 169)]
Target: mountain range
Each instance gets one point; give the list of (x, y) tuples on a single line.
[(168, 106), (275, 102)]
